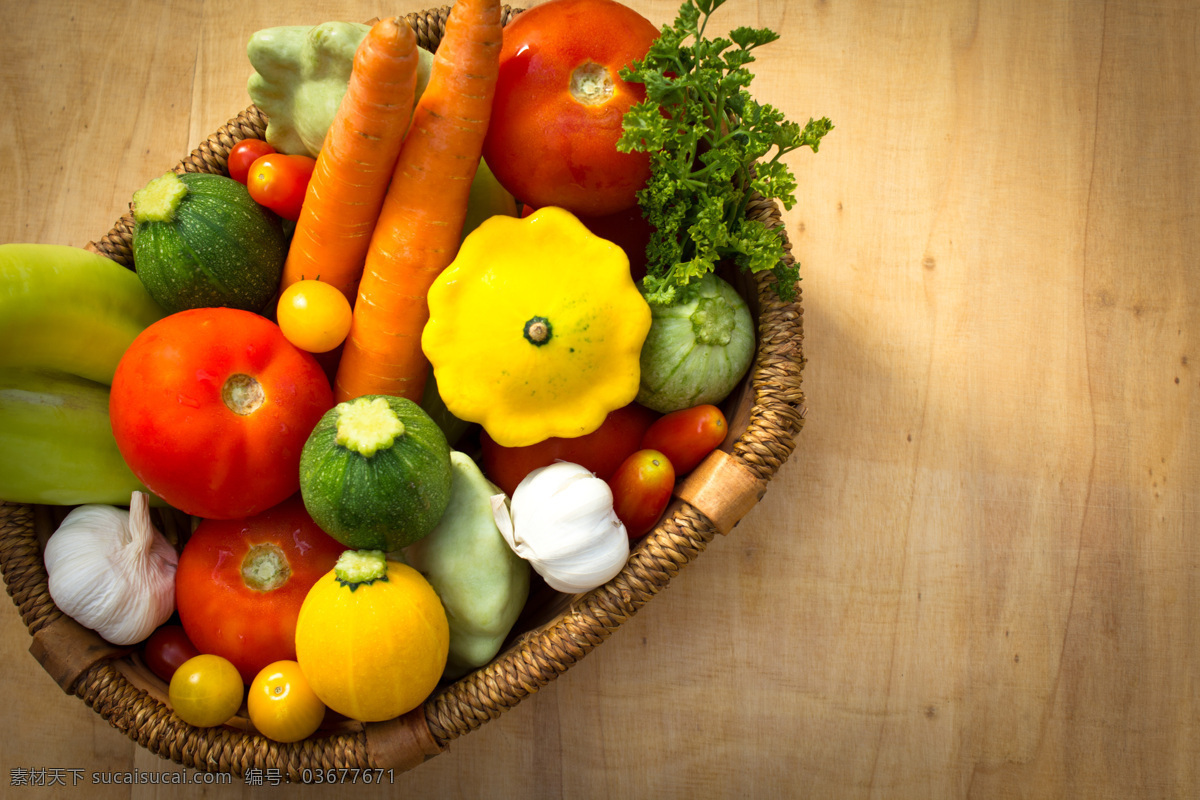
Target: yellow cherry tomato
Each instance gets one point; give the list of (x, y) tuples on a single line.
[(313, 315), (206, 691), (282, 705)]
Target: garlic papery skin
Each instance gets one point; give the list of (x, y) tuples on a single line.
[(110, 570), (561, 520)]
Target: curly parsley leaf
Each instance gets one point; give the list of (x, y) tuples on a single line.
[(711, 147)]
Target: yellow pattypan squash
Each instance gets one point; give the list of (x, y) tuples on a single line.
[(536, 328)]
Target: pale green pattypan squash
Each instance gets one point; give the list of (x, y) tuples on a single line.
[(301, 75), (482, 583)]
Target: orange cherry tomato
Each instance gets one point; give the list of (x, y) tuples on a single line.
[(282, 705), (243, 154), (313, 315), (687, 436), (279, 182), (206, 691), (641, 489)]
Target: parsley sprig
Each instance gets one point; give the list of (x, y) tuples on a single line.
[(711, 146)]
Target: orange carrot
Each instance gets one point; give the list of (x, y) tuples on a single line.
[(419, 227), (356, 161)]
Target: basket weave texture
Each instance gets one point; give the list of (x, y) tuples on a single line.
[(764, 420)]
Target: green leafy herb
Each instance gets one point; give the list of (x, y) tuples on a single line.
[(711, 147)]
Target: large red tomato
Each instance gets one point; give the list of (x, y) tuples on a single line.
[(240, 583), (211, 408), (560, 103), (600, 451)]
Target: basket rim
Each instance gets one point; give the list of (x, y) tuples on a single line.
[(536, 657)]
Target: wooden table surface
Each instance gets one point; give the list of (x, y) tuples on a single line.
[(979, 574)]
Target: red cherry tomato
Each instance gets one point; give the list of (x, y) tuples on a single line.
[(687, 436), (641, 489), (240, 583), (211, 407), (560, 103), (166, 650), (243, 154), (600, 451), (280, 181)]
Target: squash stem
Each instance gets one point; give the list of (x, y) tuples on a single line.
[(713, 321), (159, 200), (367, 425), (538, 331), (356, 568)]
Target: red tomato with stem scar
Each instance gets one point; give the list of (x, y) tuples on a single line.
[(240, 583), (560, 105), (211, 407)]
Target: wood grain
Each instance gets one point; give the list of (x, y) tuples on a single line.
[(979, 575)]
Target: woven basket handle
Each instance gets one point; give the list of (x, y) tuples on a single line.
[(67, 650), (401, 743), (723, 489)]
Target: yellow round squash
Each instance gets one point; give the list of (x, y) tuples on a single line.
[(372, 637)]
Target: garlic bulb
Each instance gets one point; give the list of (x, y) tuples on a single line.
[(561, 521), (111, 571)]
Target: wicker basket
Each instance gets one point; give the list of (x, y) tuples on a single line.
[(555, 631)]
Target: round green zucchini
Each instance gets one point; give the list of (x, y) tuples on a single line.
[(375, 473), (200, 241)]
